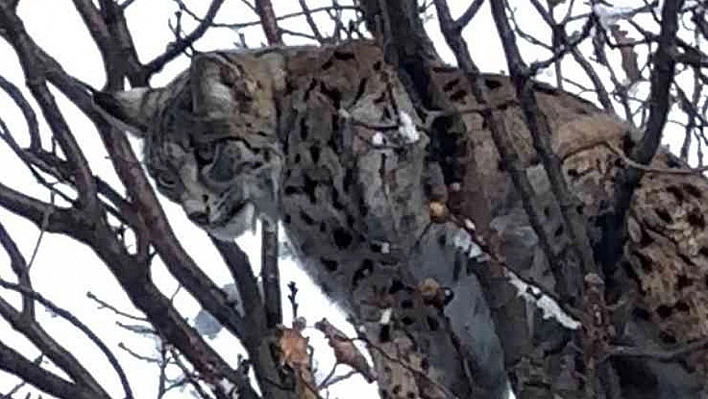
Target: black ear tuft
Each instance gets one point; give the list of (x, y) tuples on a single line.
[(130, 110), (109, 103)]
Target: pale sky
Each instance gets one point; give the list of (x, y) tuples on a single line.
[(65, 271)]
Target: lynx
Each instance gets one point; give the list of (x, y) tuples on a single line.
[(327, 141)]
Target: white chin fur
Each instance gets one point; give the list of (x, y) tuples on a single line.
[(244, 220)]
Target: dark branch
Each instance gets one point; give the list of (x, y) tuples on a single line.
[(27, 111), (66, 315), (20, 268), (14, 363), (264, 9), (501, 139), (311, 21), (177, 48), (541, 135), (256, 333), (662, 76), (104, 40), (271, 274), (469, 13), (35, 77)]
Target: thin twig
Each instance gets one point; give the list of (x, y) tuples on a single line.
[(669, 355), (633, 164), (78, 324), (178, 47), (104, 304)]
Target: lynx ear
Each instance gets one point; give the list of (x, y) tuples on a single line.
[(133, 109), (238, 89), (211, 96)]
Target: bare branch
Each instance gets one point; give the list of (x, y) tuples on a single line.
[(566, 47), (254, 336), (36, 81), (264, 9), (177, 48), (271, 274), (469, 13), (104, 41), (541, 135), (14, 363), (311, 22), (50, 347), (25, 291), (661, 78), (241, 25), (20, 268), (501, 139), (30, 117), (104, 304)]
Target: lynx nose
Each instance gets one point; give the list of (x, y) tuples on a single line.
[(198, 217)]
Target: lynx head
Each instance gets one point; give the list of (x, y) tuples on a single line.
[(210, 138)]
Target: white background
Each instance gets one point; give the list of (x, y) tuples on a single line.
[(65, 271)]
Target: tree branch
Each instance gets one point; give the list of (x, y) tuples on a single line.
[(469, 13), (257, 332), (35, 78), (264, 9), (662, 76), (541, 135), (178, 47), (27, 111), (14, 363), (501, 139), (19, 267), (26, 325), (104, 40)]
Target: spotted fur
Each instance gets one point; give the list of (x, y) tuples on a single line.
[(320, 139)]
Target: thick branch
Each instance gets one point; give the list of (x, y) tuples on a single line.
[(177, 48), (469, 13), (124, 61), (14, 363), (35, 77), (19, 267), (32, 330), (256, 335), (501, 139), (541, 135), (27, 111), (42, 214), (102, 37), (264, 9), (662, 76)]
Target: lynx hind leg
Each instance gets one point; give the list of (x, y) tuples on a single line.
[(444, 253)]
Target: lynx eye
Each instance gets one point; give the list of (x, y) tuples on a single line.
[(166, 180), (205, 152)]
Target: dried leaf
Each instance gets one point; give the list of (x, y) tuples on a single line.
[(438, 212), (433, 293), (345, 351), (629, 57), (293, 348), (294, 353)]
